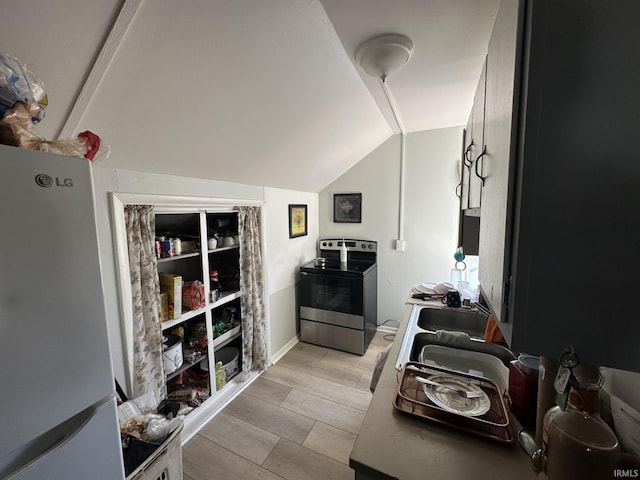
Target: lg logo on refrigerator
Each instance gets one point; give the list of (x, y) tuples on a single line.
[(45, 181)]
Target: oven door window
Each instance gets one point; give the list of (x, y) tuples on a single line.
[(331, 292)]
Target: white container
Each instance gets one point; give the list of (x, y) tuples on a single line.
[(343, 252), (172, 354), (212, 243), (466, 361), (229, 358), (177, 246)]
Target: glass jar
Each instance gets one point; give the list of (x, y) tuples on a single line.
[(576, 442)]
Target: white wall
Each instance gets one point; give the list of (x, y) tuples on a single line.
[(431, 211), (282, 255)]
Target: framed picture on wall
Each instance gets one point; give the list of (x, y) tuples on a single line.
[(347, 207), (297, 221)]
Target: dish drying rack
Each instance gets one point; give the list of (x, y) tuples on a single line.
[(410, 398)]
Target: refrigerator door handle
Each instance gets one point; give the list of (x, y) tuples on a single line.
[(48, 443)]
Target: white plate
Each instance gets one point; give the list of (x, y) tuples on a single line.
[(452, 402), (443, 288), (425, 288), (434, 288)]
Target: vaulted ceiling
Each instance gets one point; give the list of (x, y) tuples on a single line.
[(248, 91)]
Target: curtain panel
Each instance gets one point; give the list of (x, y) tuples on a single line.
[(254, 335), (148, 367)]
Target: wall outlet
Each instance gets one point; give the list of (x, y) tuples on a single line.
[(400, 244)]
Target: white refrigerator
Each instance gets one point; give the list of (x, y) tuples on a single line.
[(58, 417)]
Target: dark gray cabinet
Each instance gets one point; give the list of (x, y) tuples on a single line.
[(503, 60), (472, 152), (469, 221), (467, 161), (561, 196), (477, 147), (471, 172)]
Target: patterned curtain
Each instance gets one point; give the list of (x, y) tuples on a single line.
[(254, 351), (148, 369)]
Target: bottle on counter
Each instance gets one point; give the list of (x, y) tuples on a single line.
[(343, 253)]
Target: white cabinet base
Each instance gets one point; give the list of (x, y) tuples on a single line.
[(199, 417)]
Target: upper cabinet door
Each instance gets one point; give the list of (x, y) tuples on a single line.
[(467, 161), (478, 141), (496, 165)]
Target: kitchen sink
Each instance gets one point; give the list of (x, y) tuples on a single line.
[(457, 320), (425, 321)]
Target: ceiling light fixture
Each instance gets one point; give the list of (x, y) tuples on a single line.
[(384, 54), (379, 57)]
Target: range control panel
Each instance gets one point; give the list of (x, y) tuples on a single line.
[(351, 244)]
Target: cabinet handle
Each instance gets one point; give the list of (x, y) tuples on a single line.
[(484, 152), (459, 190), (467, 153)]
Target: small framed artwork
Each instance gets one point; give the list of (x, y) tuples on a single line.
[(347, 207), (297, 221)]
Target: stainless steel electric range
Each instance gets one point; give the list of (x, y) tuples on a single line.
[(338, 301)]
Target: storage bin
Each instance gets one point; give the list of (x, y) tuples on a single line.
[(229, 358), (165, 463)]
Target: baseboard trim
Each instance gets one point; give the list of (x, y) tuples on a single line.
[(386, 329), (283, 351), (200, 416)]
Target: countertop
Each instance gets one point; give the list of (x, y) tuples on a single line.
[(395, 445)]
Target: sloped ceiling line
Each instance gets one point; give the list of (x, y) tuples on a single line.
[(100, 66)]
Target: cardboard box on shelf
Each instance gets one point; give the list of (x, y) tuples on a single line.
[(164, 306), (172, 285)]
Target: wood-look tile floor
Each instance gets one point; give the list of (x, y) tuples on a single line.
[(298, 420)]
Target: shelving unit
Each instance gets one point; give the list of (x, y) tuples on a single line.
[(226, 309), (197, 219)]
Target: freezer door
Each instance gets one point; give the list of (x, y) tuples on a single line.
[(54, 348), (91, 449)]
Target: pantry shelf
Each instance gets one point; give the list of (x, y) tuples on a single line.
[(226, 337), (225, 298), (187, 315), (178, 257), (185, 366)]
